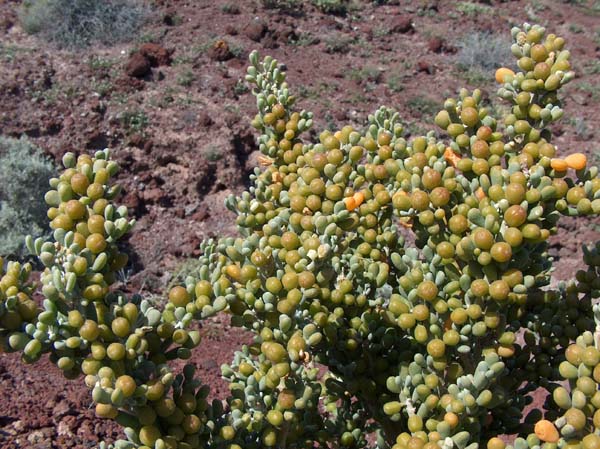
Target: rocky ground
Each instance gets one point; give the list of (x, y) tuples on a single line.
[(173, 106)]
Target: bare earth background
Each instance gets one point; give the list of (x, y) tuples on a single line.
[(176, 112)]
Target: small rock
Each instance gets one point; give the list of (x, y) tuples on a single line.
[(255, 30), (33, 131), (43, 445), (435, 44), (231, 30), (157, 196), (96, 105), (148, 145), (558, 129), (231, 119), (201, 215), (170, 17), (340, 115), (136, 140), (128, 83), (189, 248), (6, 23), (95, 139), (432, 5), (52, 126), (229, 83), (138, 66), (36, 437), (286, 34), (61, 409), (330, 23), (179, 212), (85, 429), (164, 157), (209, 364), (156, 54), (439, 45), (220, 51), (204, 119), (424, 66), (269, 41), (18, 426), (134, 203), (402, 24), (68, 122), (63, 429)]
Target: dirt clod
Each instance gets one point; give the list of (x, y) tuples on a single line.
[(138, 66), (402, 24), (220, 51), (255, 30), (156, 54)]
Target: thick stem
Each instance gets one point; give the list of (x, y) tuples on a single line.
[(390, 429), (284, 435)]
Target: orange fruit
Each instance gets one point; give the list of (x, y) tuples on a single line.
[(546, 431), (359, 197), (559, 164), (350, 203), (480, 194), (576, 161)]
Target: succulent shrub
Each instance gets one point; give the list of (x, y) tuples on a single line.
[(361, 339), (24, 175), (80, 23)]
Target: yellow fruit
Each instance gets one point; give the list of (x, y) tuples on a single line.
[(74, 209), (179, 296), (96, 243), (502, 73)]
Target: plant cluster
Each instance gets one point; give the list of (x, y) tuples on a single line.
[(419, 342), (80, 23)]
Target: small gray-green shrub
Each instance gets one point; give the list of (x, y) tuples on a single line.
[(483, 52), (288, 6), (339, 7), (24, 175), (79, 23)]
